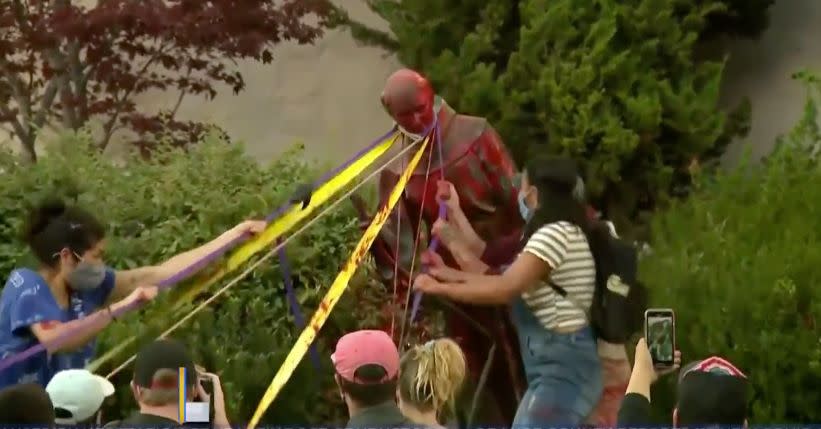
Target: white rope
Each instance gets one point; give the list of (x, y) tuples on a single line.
[(265, 257)]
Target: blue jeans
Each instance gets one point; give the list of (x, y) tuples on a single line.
[(564, 376)]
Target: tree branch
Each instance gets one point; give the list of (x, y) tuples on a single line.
[(46, 102), (21, 96), (80, 81), (26, 138), (182, 95), (362, 33), (108, 128)]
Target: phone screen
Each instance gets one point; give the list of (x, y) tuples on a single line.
[(208, 385), (660, 333)]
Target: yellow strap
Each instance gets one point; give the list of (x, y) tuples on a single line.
[(277, 228), (303, 343)]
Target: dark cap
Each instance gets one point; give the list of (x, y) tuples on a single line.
[(163, 354), (712, 391), (38, 409)]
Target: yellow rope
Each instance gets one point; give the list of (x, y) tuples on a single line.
[(267, 255), (277, 228), (339, 285)]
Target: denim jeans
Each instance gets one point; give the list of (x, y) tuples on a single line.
[(564, 376)]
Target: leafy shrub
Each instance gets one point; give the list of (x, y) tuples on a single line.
[(613, 84), (176, 201), (742, 18), (739, 262)]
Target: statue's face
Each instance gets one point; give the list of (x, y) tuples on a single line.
[(408, 99)]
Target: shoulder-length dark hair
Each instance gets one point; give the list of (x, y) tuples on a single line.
[(561, 198)]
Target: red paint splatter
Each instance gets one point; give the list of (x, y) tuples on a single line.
[(48, 325)]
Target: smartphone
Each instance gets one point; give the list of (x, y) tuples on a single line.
[(207, 384), (660, 334)]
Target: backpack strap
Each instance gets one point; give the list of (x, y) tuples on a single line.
[(558, 289), (563, 293)]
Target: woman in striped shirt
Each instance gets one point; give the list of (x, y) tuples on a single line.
[(558, 346)]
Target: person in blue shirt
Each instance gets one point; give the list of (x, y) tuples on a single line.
[(73, 287)]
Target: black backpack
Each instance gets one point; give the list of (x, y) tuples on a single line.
[(619, 300)]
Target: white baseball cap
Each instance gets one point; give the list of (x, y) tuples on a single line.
[(79, 392)]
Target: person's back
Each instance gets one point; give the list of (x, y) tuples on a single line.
[(367, 368), (78, 395), (26, 405), (430, 378), (156, 387), (711, 392)]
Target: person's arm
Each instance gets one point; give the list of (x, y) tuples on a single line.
[(545, 250), (128, 280), (460, 221), (502, 251), (220, 413), (41, 317), (87, 329), (489, 289), (635, 408), (635, 411)]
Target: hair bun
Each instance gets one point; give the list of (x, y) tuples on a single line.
[(52, 208), (41, 216)]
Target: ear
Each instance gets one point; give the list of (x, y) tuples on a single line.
[(533, 197), (339, 387), (67, 256), (135, 391)]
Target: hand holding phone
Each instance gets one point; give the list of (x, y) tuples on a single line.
[(660, 335)]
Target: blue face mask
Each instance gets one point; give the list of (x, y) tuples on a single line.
[(524, 210)]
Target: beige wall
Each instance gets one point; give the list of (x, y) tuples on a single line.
[(762, 69), (326, 95)]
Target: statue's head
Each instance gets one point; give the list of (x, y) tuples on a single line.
[(408, 98)]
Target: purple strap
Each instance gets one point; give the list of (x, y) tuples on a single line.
[(443, 213), (299, 318), (186, 272)]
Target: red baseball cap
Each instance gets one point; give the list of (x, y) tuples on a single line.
[(366, 347)]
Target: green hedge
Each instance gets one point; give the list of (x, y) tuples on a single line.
[(612, 83), (177, 201), (739, 262)]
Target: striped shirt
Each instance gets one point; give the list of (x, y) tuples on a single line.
[(563, 246)]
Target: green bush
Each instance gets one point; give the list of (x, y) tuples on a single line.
[(611, 83), (739, 262), (177, 201), (741, 18)]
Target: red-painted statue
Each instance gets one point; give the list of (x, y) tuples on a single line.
[(475, 160)]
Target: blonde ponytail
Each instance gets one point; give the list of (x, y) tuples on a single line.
[(432, 374)]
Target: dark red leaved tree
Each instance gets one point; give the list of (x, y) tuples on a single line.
[(63, 63)]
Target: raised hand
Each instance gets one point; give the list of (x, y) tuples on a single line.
[(446, 193), (431, 259), (427, 284)]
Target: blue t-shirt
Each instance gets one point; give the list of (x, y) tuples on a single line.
[(27, 300)]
